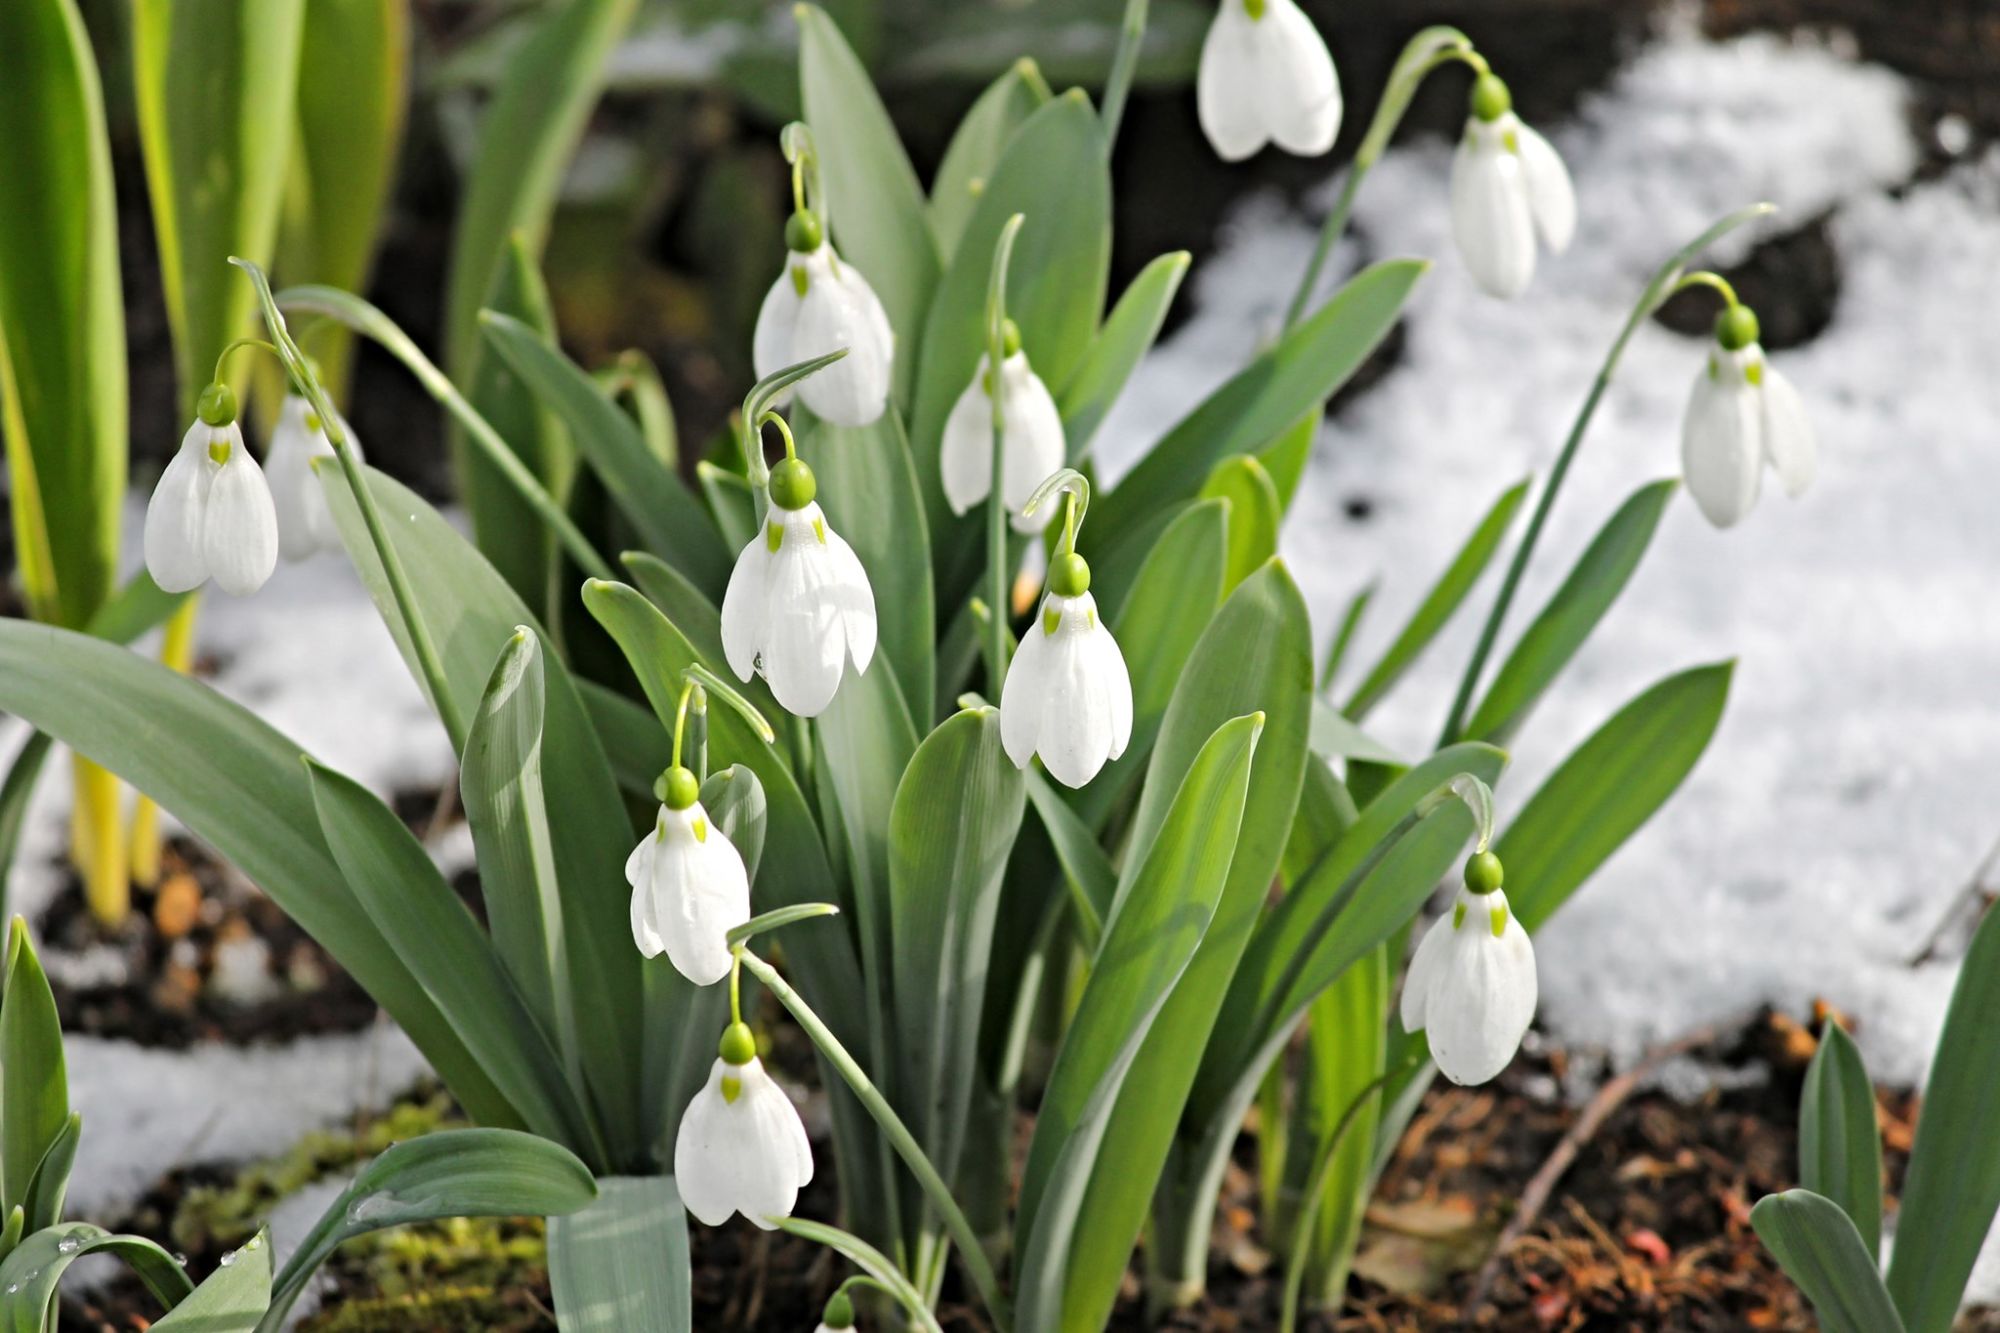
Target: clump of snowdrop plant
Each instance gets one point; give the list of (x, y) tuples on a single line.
[(1470, 987), (1742, 417), (211, 516), (1032, 447), (1509, 189), (1266, 77), (305, 524)]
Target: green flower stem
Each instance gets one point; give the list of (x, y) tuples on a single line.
[(1666, 280), (939, 1193), (1124, 64), (1428, 50), (365, 319), (996, 504)]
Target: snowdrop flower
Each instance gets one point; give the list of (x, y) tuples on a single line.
[(1507, 185), (689, 888), (1032, 437), (1742, 415), (305, 524), (742, 1147), (1266, 75), (211, 515), (798, 603), (1068, 696), (820, 303), (1471, 986)]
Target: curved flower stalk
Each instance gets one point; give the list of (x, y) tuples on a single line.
[(305, 524), (1471, 987), (742, 1147), (1068, 696), (1742, 416), (1032, 446), (211, 516), (820, 303), (1266, 77), (1508, 188), (798, 605)]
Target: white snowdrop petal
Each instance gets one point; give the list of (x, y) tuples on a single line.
[(965, 458), (1721, 455), (1788, 433), (1551, 196), (288, 470), (1118, 687), (1226, 96), (745, 604), (771, 343), (1297, 81), (853, 598), (706, 1153), (1421, 975), (645, 935), (1490, 218), (1077, 718), (1484, 995), (698, 895), (804, 640), (834, 313), (1034, 441), (177, 515), (240, 540), (1023, 695)]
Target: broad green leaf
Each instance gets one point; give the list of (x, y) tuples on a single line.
[(976, 147), (633, 743), (500, 781), (34, 1094), (1093, 881), (1607, 789), (232, 1299), (1549, 643), (661, 509), (217, 89), (731, 503), (875, 205), (31, 1273), (1286, 456), (471, 613), (1438, 606), (735, 800), (450, 1173), (1254, 515), (1953, 1184), (249, 799), (1817, 1246), (957, 812), (1840, 1140), (1335, 739), (1053, 174), (1127, 335), (622, 1263), (1344, 1054), (49, 1188), (435, 935), (1270, 394), (1256, 654), (62, 314), (868, 488), (1154, 933)]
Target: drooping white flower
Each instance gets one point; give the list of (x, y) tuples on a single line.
[(305, 523), (689, 887), (798, 605), (1471, 987), (1068, 696), (742, 1147), (1032, 441), (1742, 415), (1507, 186), (211, 515), (820, 303), (1266, 76)]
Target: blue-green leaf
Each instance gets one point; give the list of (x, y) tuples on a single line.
[(621, 1264), (1817, 1246), (1840, 1140)]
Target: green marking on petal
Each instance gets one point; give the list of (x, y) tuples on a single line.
[(313, 422), (819, 530), (774, 536), (1090, 618), (1457, 915), (1254, 8), (1754, 373), (1498, 913), (732, 1088), (219, 450), (1051, 618), (700, 827), (1513, 142), (800, 280)]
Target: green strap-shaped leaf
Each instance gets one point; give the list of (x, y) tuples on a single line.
[(1254, 515), (1335, 738), (31, 1273), (1608, 788), (977, 146), (232, 1299), (1344, 1054), (1549, 643), (1092, 879), (1272, 393), (877, 208), (1286, 456), (49, 1187), (1953, 1185), (34, 1094), (1817, 1246), (622, 1263), (451, 1173), (62, 314), (1149, 943), (1438, 606), (1127, 335), (661, 509), (870, 1261), (1840, 1140)]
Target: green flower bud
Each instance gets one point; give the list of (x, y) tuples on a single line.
[(676, 789), (1483, 873), (1490, 98), (1736, 327), (839, 1312), (803, 232), (1069, 575), (217, 405), (792, 484), (738, 1046)]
